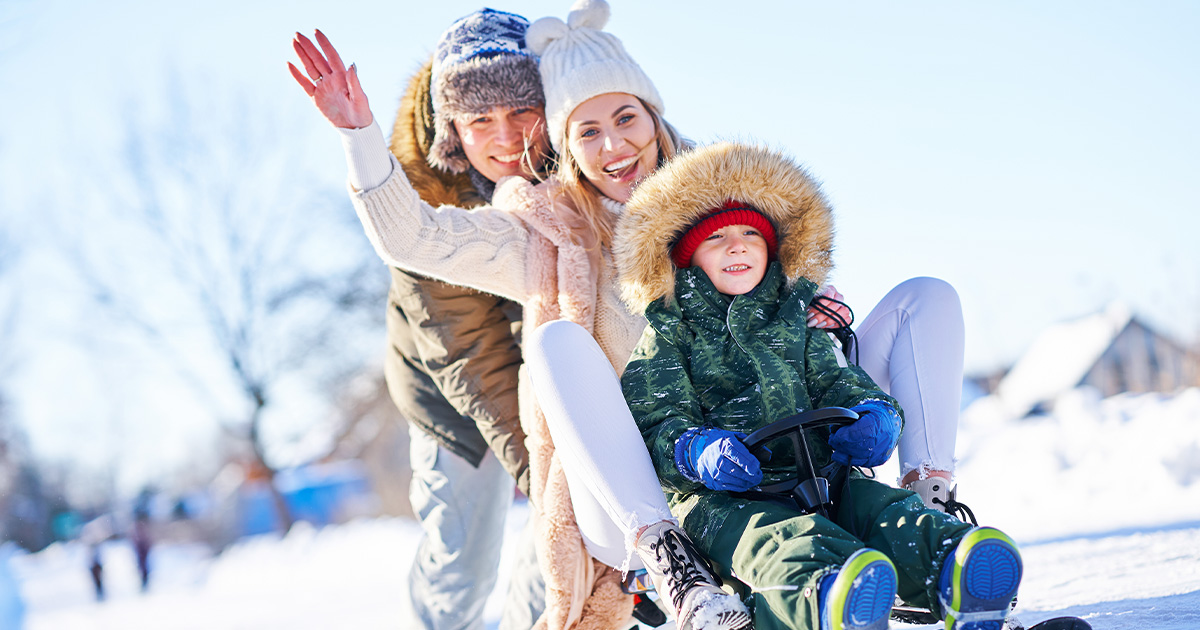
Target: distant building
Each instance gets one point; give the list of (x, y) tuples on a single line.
[(1111, 351)]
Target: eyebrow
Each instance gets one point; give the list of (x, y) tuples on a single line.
[(614, 115)]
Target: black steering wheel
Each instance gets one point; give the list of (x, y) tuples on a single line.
[(810, 491)]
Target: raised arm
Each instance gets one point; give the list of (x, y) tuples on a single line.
[(482, 248)]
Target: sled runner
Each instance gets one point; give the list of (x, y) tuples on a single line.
[(920, 616)]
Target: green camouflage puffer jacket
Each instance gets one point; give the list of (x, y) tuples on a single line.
[(708, 360)]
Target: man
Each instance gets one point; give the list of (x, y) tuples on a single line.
[(471, 115)]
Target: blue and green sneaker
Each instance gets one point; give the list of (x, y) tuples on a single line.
[(978, 583), (859, 596)]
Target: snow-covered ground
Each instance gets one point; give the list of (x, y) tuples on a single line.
[(1104, 497)]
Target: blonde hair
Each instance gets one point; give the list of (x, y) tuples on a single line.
[(584, 195)]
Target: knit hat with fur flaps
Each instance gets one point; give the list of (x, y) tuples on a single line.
[(480, 62), (579, 61), (684, 192)]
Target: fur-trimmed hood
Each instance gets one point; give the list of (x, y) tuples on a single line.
[(412, 140), (686, 189)]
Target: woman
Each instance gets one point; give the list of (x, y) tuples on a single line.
[(549, 249)]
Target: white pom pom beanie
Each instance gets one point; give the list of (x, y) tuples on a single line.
[(579, 61)]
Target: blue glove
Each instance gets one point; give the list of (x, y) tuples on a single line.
[(871, 439), (717, 459)]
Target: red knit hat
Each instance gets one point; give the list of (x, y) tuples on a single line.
[(732, 213)]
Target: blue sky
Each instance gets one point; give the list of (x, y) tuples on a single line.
[(1039, 156)]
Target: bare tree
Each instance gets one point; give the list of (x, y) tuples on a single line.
[(8, 251), (9, 433), (211, 241), (26, 500)]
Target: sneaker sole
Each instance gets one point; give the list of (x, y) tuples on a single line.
[(731, 620), (864, 602), (719, 611), (987, 573)]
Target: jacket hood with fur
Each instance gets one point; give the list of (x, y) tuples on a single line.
[(689, 187), (412, 139)]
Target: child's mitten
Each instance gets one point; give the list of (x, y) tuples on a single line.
[(717, 459), (871, 439)]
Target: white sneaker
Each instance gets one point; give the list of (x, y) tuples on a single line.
[(684, 579)]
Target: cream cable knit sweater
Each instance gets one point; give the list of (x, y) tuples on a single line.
[(482, 248)]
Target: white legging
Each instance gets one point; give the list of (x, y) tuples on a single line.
[(614, 489), (911, 344)]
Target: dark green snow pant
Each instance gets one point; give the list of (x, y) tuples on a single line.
[(777, 553)]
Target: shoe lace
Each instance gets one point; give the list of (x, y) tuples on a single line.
[(956, 508), (685, 569)]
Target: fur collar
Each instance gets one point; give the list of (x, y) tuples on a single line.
[(412, 137), (687, 188)]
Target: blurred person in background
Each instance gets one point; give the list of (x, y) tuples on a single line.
[(139, 536), (93, 535)]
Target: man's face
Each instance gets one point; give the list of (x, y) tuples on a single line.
[(496, 142)]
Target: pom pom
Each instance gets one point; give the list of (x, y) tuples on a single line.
[(542, 32), (589, 14)]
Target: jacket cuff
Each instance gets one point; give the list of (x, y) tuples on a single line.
[(681, 455)]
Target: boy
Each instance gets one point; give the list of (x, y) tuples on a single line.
[(724, 249)]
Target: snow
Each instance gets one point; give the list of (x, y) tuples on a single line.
[(1102, 497)]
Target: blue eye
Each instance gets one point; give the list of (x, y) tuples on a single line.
[(588, 133)]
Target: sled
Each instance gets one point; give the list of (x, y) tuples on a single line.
[(921, 616), (814, 492)]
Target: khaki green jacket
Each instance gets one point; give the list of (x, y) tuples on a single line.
[(452, 355)]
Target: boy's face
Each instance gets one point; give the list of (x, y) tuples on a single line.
[(734, 257)]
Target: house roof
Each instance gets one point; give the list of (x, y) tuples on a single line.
[(1060, 358)]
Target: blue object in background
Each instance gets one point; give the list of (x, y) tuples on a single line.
[(319, 494), (12, 607)]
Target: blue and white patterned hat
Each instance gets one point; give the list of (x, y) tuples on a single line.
[(479, 63), (485, 32)]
